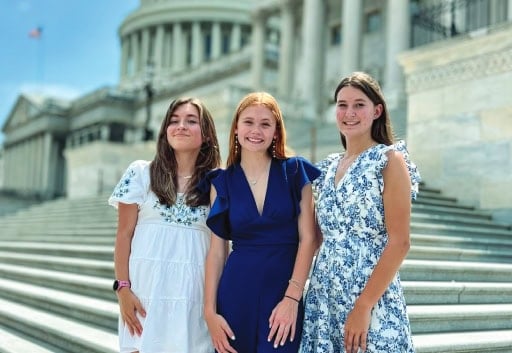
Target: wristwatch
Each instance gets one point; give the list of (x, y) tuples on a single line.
[(121, 284)]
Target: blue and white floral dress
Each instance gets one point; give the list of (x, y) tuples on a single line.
[(351, 218), (166, 267)]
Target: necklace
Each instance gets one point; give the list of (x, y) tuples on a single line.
[(253, 182), (185, 176)]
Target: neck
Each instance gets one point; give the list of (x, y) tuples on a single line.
[(186, 164), (255, 162), (355, 148)]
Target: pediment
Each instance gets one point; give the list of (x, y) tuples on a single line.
[(25, 109)]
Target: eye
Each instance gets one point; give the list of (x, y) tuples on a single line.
[(342, 105), (173, 122), (193, 121)]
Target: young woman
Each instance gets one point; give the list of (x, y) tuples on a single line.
[(263, 203), (162, 238), (355, 300)]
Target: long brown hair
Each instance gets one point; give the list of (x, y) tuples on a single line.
[(164, 167), (382, 131), (267, 100)]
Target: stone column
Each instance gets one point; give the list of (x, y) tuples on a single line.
[(159, 48), (197, 44), (216, 40), (509, 10), (313, 49), (397, 41), (47, 149), (135, 52), (258, 48), (236, 38), (124, 56), (144, 49), (178, 48), (351, 32), (286, 62)]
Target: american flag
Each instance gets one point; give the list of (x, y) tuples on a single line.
[(35, 33)]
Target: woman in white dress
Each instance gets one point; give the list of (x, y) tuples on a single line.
[(162, 238)]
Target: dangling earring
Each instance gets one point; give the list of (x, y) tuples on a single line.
[(274, 148), (236, 144)]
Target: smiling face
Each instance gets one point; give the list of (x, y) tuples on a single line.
[(184, 129), (256, 128), (355, 112)]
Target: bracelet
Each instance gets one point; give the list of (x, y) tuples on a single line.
[(292, 298), (295, 283)]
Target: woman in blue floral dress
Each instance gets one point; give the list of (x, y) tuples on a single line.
[(355, 301), (162, 238)]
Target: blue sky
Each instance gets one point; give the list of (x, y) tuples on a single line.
[(77, 52)]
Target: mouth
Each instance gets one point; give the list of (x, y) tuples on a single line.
[(351, 123), (254, 140)]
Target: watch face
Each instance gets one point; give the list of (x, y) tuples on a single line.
[(116, 284)]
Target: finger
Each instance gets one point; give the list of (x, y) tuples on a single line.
[(273, 330), (364, 336), (271, 318), (292, 332), (227, 330), (140, 309), (355, 343), (348, 342), (279, 336), (286, 330)]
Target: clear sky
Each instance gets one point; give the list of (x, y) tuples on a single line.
[(78, 50)]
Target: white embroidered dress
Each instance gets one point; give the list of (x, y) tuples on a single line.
[(166, 269), (351, 217)]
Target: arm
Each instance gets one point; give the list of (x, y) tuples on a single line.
[(284, 316), (397, 213), (214, 265), (128, 303)]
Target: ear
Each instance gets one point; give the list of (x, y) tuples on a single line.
[(378, 111)]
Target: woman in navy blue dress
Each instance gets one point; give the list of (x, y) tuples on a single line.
[(263, 203)]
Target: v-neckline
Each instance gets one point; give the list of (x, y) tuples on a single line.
[(248, 186), (349, 168)]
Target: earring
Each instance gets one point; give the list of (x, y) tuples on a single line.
[(274, 148), (236, 144)]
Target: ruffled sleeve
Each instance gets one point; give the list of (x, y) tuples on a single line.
[(218, 218), (133, 186), (413, 170), (300, 172), (324, 166)]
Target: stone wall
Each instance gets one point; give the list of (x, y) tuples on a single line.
[(460, 117)]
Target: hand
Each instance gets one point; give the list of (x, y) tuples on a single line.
[(283, 321), (356, 328), (129, 306), (220, 331)]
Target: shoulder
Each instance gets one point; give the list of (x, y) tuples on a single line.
[(327, 161)]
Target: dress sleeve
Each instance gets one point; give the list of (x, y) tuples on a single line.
[(132, 188), (411, 167), (323, 166), (218, 218), (300, 172)]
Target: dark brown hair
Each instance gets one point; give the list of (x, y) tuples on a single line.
[(382, 131), (267, 100), (163, 168)]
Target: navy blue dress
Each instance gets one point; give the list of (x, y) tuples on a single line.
[(264, 248)]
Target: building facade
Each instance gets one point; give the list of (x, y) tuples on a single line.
[(297, 50)]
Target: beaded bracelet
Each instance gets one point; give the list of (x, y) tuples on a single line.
[(292, 298)]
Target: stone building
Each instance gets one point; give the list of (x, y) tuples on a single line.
[(445, 67)]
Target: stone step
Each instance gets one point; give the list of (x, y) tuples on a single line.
[(92, 286), (459, 271), (451, 292), (449, 211), (65, 334), (440, 202), (462, 242), (449, 229), (459, 318), (90, 267), (96, 312), (440, 252), (14, 343), (499, 341), (457, 220), (92, 239), (97, 252)]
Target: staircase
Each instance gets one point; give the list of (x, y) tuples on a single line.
[(56, 272)]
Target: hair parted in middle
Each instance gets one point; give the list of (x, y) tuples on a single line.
[(164, 167), (382, 131), (267, 100)]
